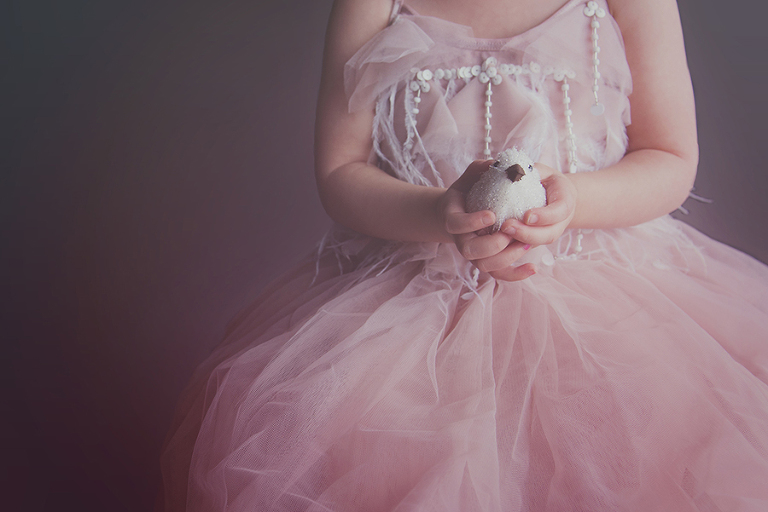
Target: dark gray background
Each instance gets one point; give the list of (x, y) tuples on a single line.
[(157, 173)]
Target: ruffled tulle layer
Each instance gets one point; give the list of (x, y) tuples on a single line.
[(606, 384)]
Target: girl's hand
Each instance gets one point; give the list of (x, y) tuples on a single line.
[(494, 253), (544, 225)]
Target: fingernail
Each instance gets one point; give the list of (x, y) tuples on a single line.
[(526, 247), (533, 219), (487, 219), (509, 230)]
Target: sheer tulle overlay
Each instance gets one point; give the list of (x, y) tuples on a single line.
[(378, 376)]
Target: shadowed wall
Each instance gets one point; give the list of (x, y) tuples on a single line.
[(157, 173)]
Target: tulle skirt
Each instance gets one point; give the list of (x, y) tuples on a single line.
[(634, 377)]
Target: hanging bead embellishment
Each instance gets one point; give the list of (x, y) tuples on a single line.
[(488, 115), (420, 85), (571, 143), (417, 86), (594, 11), (488, 75), (570, 139)]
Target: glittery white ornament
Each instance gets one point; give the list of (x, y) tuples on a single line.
[(510, 187)]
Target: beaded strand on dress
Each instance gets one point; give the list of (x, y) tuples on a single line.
[(594, 11)]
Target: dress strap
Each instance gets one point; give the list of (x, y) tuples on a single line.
[(397, 5)]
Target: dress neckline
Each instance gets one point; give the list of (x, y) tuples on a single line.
[(467, 32)]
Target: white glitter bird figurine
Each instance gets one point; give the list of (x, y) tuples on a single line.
[(510, 187)]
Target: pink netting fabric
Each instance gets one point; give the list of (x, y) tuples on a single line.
[(381, 376)]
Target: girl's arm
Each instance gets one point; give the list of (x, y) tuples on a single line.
[(657, 173), (355, 194)]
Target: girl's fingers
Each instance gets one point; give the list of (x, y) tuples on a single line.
[(544, 225), (515, 273), (473, 247), (553, 213), (534, 235), (561, 199), (471, 175), (464, 223), (504, 259), (458, 221)]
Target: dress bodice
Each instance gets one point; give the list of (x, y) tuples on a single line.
[(443, 97)]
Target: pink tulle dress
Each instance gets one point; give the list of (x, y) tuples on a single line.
[(629, 374)]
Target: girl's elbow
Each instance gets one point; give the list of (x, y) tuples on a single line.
[(686, 176), (329, 201)]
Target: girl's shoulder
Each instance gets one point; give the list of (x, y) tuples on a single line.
[(353, 23)]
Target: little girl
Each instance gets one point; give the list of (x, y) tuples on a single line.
[(596, 355)]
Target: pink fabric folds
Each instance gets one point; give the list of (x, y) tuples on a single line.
[(587, 387)]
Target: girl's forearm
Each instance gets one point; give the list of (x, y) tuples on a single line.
[(644, 185), (368, 200)]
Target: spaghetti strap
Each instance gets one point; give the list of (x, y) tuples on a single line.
[(396, 6), (400, 7)]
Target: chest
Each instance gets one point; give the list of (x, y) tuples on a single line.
[(491, 19)]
